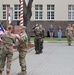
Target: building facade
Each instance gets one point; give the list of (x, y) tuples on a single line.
[(47, 12)]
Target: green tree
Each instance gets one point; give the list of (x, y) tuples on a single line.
[(3, 24)]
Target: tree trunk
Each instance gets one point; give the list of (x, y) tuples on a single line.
[(27, 13)]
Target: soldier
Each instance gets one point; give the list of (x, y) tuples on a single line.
[(69, 33), (42, 37), (7, 50), (73, 29), (22, 48), (38, 39), (0, 42), (0, 48)]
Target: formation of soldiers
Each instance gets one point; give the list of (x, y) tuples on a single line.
[(8, 39)]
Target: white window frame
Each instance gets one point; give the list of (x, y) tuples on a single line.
[(71, 11), (18, 10), (6, 5), (39, 11), (50, 11)]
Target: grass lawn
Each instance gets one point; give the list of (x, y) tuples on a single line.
[(53, 40)]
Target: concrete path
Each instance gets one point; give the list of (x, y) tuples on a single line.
[(56, 59)]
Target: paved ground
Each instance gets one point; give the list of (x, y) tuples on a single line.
[(56, 59)]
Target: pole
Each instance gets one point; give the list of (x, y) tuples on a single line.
[(21, 13), (7, 14)]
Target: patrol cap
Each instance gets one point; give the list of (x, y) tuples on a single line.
[(10, 27), (23, 27)]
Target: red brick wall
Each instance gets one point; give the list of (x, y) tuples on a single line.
[(46, 25)]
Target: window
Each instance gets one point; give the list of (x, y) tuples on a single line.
[(71, 12), (38, 12), (16, 12), (50, 12), (4, 7)]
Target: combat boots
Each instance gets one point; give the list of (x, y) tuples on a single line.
[(0, 72), (69, 44), (22, 73), (8, 73)]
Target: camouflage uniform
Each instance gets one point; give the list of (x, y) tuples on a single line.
[(0, 52), (42, 37), (38, 40), (7, 50), (22, 48), (69, 33)]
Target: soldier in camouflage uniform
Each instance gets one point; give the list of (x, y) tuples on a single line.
[(22, 48), (69, 33), (42, 37), (7, 50), (38, 39), (0, 43), (0, 48)]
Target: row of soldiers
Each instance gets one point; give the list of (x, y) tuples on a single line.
[(8, 39)]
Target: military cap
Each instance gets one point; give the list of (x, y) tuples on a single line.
[(10, 27)]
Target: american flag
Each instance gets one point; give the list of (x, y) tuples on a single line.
[(2, 30)]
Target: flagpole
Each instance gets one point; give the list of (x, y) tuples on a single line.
[(7, 21), (21, 13)]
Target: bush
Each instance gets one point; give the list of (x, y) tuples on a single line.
[(3, 24)]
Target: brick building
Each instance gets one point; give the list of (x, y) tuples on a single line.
[(45, 12)]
